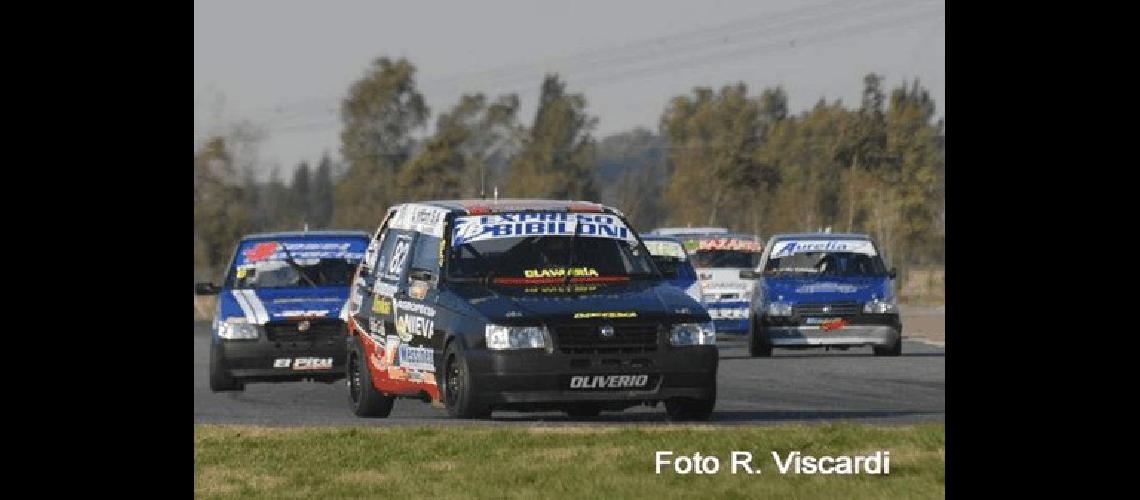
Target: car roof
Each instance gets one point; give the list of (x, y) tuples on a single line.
[(480, 206), (717, 236), (821, 236), (658, 237), (679, 231), (303, 234)]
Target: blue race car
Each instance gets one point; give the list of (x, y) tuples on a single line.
[(673, 262), (280, 308), (824, 290)]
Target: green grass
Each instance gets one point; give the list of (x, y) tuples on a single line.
[(552, 462)]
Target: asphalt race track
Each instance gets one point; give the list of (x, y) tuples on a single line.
[(792, 386)]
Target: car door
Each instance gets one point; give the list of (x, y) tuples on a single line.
[(414, 308), (385, 279)]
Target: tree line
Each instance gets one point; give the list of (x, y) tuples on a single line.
[(722, 157)]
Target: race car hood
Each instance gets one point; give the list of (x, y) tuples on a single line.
[(262, 305), (648, 300), (799, 290)]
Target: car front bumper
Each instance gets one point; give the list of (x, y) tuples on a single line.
[(255, 360), (537, 378), (852, 335)]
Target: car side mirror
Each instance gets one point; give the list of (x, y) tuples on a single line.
[(205, 289), (749, 274), (892, 273), (420, 275)]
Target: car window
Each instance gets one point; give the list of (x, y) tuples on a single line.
[(393, 260), (428, 253), (295, 262)]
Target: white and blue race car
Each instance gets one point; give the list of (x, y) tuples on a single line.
[(719, 256)]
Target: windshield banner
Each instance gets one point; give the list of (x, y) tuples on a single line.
[(788, 247), (523, 224), (737, 244), (665, 249), (263, 251)]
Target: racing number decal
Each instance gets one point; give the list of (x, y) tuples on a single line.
[(399, 255)]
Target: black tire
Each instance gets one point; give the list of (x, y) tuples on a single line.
[(583, 410), (220, 379), (363, 397), (680, 409), (458, 391), (893, 350), (757, 346)]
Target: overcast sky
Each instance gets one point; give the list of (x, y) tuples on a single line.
[(286, 64)]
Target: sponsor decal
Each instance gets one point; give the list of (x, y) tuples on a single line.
[(391, 343), (518, 224), (420, 218), (276, 251), (416, 358), (381, 305), (260, 251), (573, 288), (728, 285), (665, 249), (282, 362), (560, 272), (608, 381), (382, 289), (607, 315), (312, 363), (408, 326), (785, 248), (827, 288), (320, 313), (736, 244), (415, 307), (834, 324), (299, 300)]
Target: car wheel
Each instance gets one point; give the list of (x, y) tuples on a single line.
[(363, 397), (458, 392), (583, 410), (220, 379), (691, 409), (892, 350), (757, 346)]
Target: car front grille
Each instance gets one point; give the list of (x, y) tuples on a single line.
[(319, 329), (635, 338), (839, 309)]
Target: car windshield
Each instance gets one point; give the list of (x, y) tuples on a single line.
[(545, 247), (725, 258), (296, 263), (813, 258)]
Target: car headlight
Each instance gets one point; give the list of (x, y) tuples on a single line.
[(880, 307), (237, 329), (693, 334), (515, 337), (779, 309)]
